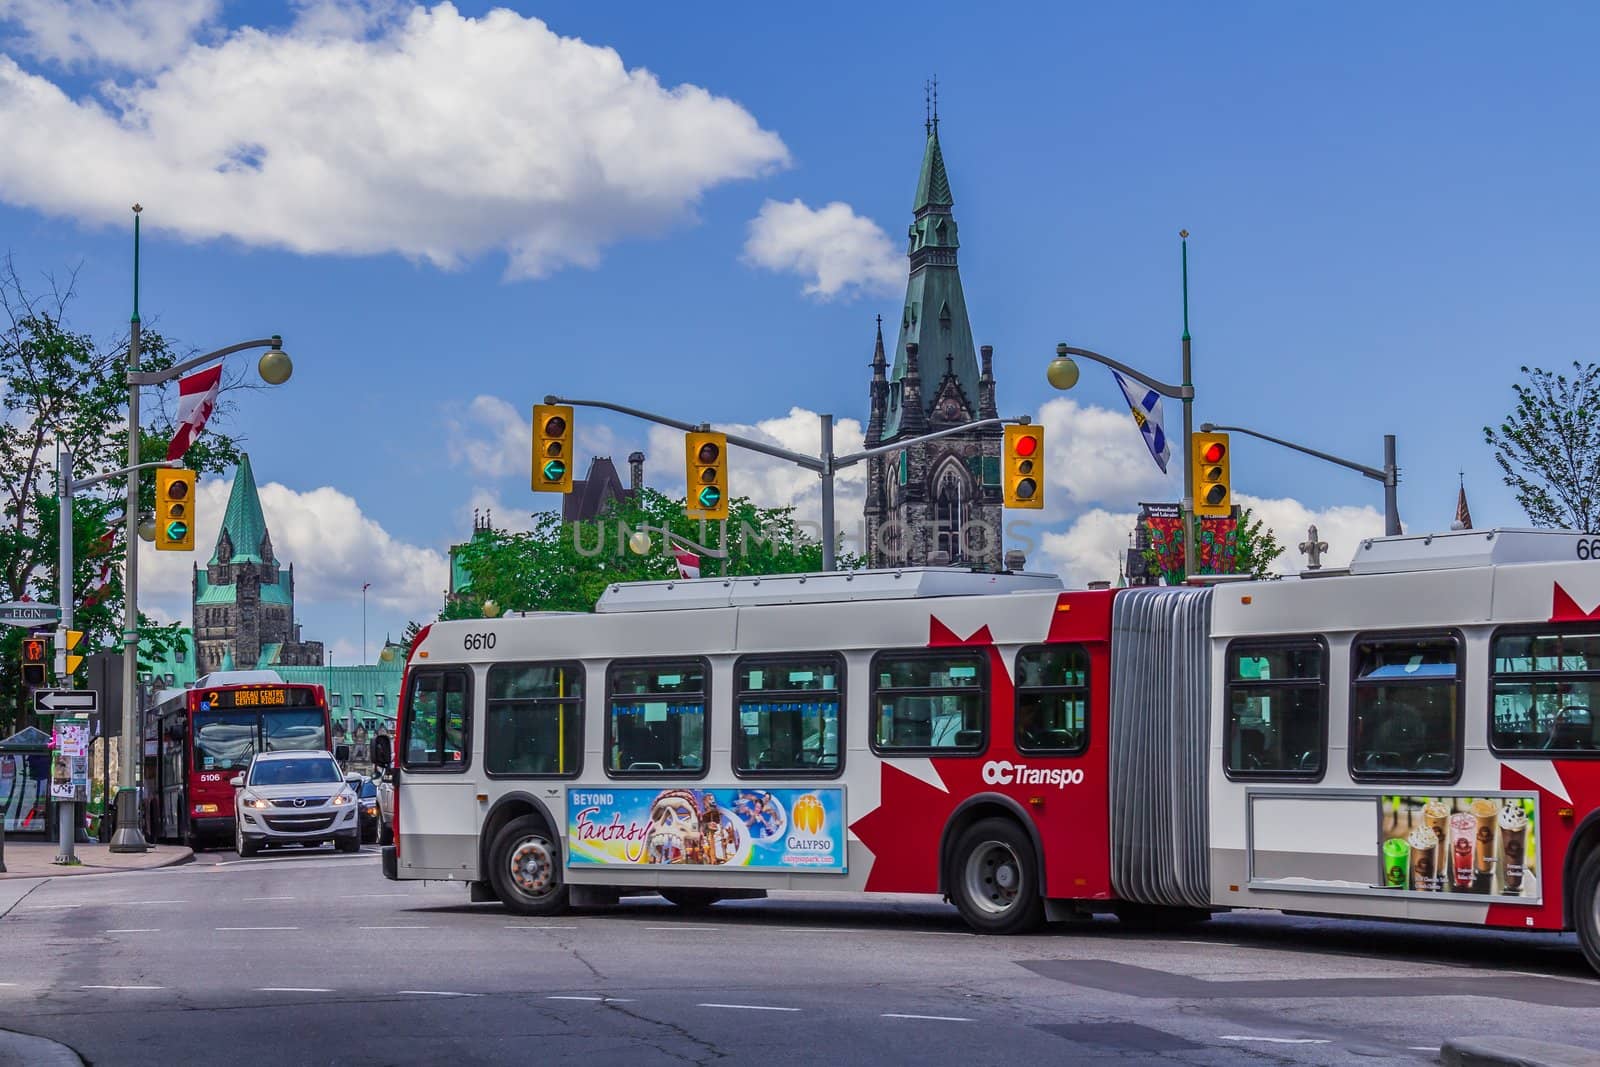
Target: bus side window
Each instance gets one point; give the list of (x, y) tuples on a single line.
[(436, 721), (786, 715), (1277, 709), (930, 701), (656, 717), (1052, 700), (1405, 707)]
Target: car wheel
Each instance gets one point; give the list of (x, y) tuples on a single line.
[(994, 878), (1586, 907), (525, 868), (350, 842), (242, 845)]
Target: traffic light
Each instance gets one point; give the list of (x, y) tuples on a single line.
[(706, 470), (72, 639), (552, 448), (35, 654), (1024, 466), (174, 510), (1212, 493)]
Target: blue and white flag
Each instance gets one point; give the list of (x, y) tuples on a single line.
[(1146, 407)]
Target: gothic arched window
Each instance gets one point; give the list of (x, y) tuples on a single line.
[(952, 501)]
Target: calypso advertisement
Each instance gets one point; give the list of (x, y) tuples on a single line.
[(1478, 846), (758, 829)]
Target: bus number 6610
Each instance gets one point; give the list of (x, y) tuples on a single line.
[(477, 642), (1589, 548)]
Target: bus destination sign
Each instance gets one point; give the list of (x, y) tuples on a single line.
[(259, 698)]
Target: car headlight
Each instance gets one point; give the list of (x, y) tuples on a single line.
[(250, 800), (341, 799)]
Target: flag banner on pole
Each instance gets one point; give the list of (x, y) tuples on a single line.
[(197, 397), (688, 563), (1146, 407)]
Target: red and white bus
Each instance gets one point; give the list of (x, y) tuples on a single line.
[(1411, 737), (197, 739)]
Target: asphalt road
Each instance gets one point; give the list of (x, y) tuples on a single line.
[(315, 958)]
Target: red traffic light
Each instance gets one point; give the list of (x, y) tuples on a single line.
[(1214, 452), (1027, 445)]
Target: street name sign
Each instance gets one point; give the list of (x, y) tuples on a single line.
[(65, 701), (26, 613)]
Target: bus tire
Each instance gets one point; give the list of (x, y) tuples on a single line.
[(994, 878), (691, 899), (1586, 907), (525, 868), (385, 833)]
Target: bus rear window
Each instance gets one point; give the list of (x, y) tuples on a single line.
[(1546, 692)]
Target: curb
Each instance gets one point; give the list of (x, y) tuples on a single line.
[(26, 1050), (1514, 1052)]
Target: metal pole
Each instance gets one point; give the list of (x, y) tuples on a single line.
[(67, 854), (1391, 492), (1188, 427), (129, 837), (828, 562)]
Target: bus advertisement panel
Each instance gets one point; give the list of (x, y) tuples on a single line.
[(1482, 846), (759, 829)]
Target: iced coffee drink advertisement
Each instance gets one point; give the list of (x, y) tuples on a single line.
[(1478, 846), (762, 829)]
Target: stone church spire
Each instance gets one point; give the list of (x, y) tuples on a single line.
[(1463, 520), (880, 391), (243, 536)]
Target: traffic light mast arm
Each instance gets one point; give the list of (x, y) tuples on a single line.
[(898, 446), (83, 483), (1176, 392), (1371, 472), (157, 377), (811, 463)]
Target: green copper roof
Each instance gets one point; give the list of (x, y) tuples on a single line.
[(279, 593), (216, 595), (243, 522), (933, 184)]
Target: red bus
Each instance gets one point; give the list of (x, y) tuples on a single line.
[(197, 739)]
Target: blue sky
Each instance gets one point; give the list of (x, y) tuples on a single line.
[(1391, 208)]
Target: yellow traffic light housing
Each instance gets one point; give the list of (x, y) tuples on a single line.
[(35, 661), (1024, 467), (552, 448), (73, 662), (174, 510), (706, 472), (1213, 492)]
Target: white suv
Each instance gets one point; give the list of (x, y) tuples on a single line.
[(295, 798)]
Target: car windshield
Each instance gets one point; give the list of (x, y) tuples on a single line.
[(307, 771), (369, 788)]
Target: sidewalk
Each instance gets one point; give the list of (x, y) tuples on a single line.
[(33, 858)]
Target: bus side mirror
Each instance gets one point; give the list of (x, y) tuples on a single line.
[(342, 753), (382, 753)]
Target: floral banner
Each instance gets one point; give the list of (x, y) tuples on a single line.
[(1216, 551)]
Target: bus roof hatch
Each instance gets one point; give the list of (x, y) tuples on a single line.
[(904, 584)]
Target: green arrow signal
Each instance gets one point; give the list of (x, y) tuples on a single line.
[(177, 531), (709, 496), (554, 470)]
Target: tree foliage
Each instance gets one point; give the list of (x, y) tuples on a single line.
[(1256, 549), (1549, 447), (60, 387), (560, 566)]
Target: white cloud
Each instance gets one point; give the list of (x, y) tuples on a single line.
[(836, 250), (334, 547), (436, 136), (491, 438), (135, 35), (501, 516), (1097, 455), (1342, 527)]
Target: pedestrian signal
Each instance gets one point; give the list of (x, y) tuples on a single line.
[(35, 651), (552, 448), (174, 510), (1213, 495), (706, 471), (1024, 467)]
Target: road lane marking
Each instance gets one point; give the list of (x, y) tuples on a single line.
[(597, 1000), (291, 989), (1276, 1040), (248, 900), (930, 1018), (121, 987), (525, 926), (746, 1007), (1422, 1048), (684, 926), (131, 902), (434, 993), (391, 928), (9, 985), (49, 907), (236, 928), (136, 930)]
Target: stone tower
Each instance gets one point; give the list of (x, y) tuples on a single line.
[(938, 502), (243, 600)]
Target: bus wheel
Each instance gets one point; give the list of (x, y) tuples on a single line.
[(525, 868), (385, 834), (1586, 907), (993, 878), (692, 899)]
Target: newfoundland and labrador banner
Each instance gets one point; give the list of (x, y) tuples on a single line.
[(760, 829)]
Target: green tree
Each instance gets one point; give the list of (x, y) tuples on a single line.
[(560, 566), (1256, 549), (1549, 447), (61, 387)]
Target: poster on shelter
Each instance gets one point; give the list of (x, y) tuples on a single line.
[(743, 827), (1471, 846)]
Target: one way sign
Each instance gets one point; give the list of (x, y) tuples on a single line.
[(60, 701)]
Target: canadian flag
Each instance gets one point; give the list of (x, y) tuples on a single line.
[(688, 563), (197, 396), (102, 583)]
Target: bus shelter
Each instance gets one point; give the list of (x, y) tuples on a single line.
[(25, 781)]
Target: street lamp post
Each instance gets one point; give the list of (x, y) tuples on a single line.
[(275, 368), (1063, 374), (1389, 474)]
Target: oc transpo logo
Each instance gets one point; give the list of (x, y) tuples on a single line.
[(1004, 772)]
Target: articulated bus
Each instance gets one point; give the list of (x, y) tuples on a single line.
[(1410, 737), (197, 739)]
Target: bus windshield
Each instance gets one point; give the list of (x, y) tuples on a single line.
[(298, 730), (224, 740)]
